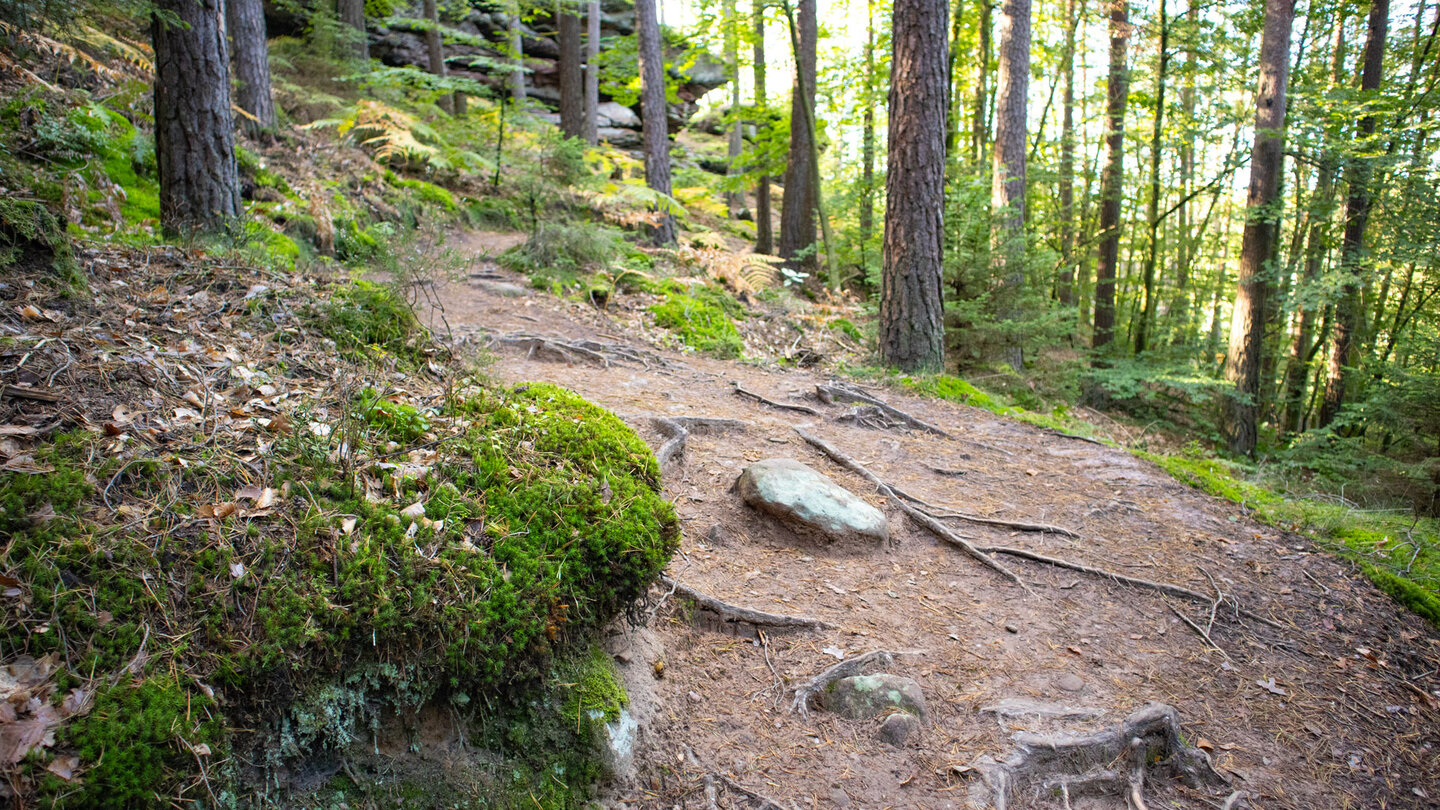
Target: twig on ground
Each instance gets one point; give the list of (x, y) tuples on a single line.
[(1199, 630), (830, 393), (1062, 434), (935, 512), (807, 691), (784, 406), (766, 803), (936, 527), (734, 614), (779, 685)]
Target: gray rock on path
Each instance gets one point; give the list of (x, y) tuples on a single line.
[(807, 499), (898, 727), (861, 697)]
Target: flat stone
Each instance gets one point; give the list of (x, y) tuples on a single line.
[(1025, 707), (1070, 682), (615, 114), (898, 727), (501, 288), (807, 499), (862, 697)]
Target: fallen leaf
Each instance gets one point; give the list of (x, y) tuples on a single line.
[(18, 430), (414, 511), (64, 767), (30, 312), (237, 569), (1269, 686), (347, 525), (201, 750), (836, 652), (249, 493), (1205, 745), (217, 511), (279, 424)]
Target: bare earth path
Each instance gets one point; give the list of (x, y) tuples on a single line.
[(1335, 706)]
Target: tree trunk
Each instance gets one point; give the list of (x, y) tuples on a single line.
[(736, 198), (797, 208), (194, 130), (912, 334), (246, 20), (592, 73), (764, 238), (1348, 312), (1247, 323), (352, 13), (1112, 176), (867, 139), (435, 50), (807, 119), (980, 125), (1007, 174), (517, 57), (952, 96), (655, 130), (1065, 290), (1152, 218), (572, 83), (1185, 249)]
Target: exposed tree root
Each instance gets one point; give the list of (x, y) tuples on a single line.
[(551, 349), (784, 406), (765, 802), (676, 429), (806, 692), (1062, 434), (835, 392), (935, 512), (937, 528), (734, 614), (1076, 763), (870, 416)]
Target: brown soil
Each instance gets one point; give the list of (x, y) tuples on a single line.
[(1335, 708)]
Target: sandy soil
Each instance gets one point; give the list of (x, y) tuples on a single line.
[(1335, 707)]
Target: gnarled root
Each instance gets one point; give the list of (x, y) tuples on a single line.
[(735, 614), (806, 692), (1115, 760)]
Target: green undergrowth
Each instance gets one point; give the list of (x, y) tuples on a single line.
[(371, 323), (702, 316), (275, 635), (1401, 556)]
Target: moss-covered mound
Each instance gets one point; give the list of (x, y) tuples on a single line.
[(206, 650)]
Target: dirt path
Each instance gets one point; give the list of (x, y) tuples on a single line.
[(1335, 707)]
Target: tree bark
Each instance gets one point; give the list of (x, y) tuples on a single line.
[(1247, 324), (517, 57), (912, 333), (1348, 311), (764, 238), (435, 49), (867, 139), (1112, 175), (980, 124), (952, 71), (1007, 173), (1180, 320), (655, 130), (797, 208), (194, 130), (352, 13), (1065, 289), (736, 198), (592, 73), (246, 20), (1152, 218), (572, 89)]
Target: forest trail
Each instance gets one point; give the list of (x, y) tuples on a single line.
[(1331, 706)]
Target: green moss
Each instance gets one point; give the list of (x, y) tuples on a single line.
[(32, 236), (847, 328), (397, 420), (953, 389), (700, 322), (592, 690), (372, 322), (426, 193)]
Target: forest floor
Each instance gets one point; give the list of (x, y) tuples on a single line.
[(1329, 701)]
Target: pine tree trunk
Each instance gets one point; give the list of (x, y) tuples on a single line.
[(246, 21), (867, 139), (1180, 318), (764, 238), (1007, 172), (912, 335), (1112, 176), (1152, 218), (655, 129), (980, 124), (952, 96), (797, 208), (735, 199), (435, 49), (1348, 312), (352, 13), (194, 130), (1065, 289), (1247, 324), (517, 57), (592, 73), (572, 87)]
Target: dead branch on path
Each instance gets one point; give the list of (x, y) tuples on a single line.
[(784, 406), (936, 527), (833, 392), (935, 512), (677, 429), (734, 614), (1199, 630), (807, 691)]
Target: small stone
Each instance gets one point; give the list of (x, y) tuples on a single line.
[(1070, 682), (838, 797), (623, 658), (898, 727), (810, 501), (862, 697), (695, 696), (504, 289), (1011, 628)]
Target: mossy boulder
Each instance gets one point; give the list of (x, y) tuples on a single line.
[(862, 697)]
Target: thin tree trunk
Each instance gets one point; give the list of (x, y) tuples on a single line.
[(1065, 290), (806, 86), (980, 125), (1007, 174), (736, 199), (517, 57), (797, 208), (591, 129), (194, 130), (764, 237), (912, 334), (1185, 248), (1247, 324), (246, 19), (1348, 313), (572, 82), (952, 96), (434, 49), (867, 140), (655, 129), (1152, 219), (1112, 176), (352, 13)]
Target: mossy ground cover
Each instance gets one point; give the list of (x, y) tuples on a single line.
[(702, 317)]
